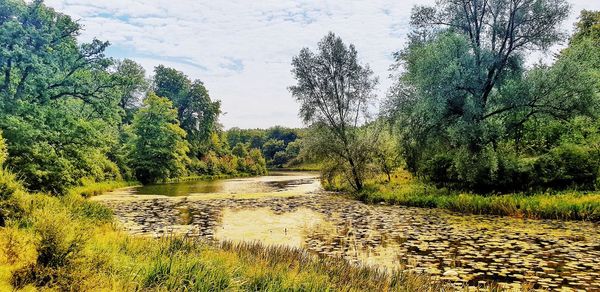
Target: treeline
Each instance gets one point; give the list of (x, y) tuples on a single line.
[(70, 115), (279, 145), (465, 111)]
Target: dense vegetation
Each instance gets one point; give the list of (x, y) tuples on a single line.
[(470, 115), (279, 145), (478, 130), (69, 243), (72, 116), (465, 113)]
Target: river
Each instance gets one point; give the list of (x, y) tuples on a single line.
[(289, 208)]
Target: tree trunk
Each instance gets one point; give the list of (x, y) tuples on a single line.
[(358, 185)]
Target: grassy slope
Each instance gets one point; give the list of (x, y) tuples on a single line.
[(70, 243), (565, 205)]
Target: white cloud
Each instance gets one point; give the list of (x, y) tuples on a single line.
[(242, 49)]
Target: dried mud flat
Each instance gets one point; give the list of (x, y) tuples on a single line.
[(464, 249)]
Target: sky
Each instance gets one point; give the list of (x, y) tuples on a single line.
[(242, 49)]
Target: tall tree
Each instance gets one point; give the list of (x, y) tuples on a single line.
[(334, 92), (464, 92), (133, 85), (160, 148), (196, 111), (41, 60), (497, 32), (58, 109)]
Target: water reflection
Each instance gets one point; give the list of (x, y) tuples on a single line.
[(274, 182)]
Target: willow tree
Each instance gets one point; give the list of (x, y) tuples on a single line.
[(464, 88), (334, 91)]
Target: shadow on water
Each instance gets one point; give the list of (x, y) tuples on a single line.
[(274, 182)]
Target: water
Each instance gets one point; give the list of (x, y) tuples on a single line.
[(277, 181), (288, 208)]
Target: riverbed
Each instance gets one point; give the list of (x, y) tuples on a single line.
[(289, 208)]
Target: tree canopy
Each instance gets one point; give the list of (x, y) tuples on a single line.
[(466, 105), (334, 91)]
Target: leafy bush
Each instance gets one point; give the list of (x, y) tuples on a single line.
[(568, 166), (10, 188), (59, 248), (3, 150)]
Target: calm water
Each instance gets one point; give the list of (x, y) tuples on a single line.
[(276, 181)]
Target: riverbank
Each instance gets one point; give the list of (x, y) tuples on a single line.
[(71, 243), (564, 205), (91, 189), (463, 250)]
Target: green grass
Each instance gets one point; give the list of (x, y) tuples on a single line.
[(305, 166), (206, 177), (71, 243), (564, 205), (90, 189)]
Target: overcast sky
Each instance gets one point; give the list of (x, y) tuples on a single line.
[(242, 50)]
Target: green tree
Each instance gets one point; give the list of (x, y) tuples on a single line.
[(160, 149), (334, 92), (58, 109), (197, 113), (464, 89), (588, 27), (133, 85), (41, 60), (271, 147)]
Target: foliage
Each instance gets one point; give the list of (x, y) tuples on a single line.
[(160, 150), (469, 113), (334, 92), (408, 191), (57, 105), (3, 151), (279, 145), (133, 86), (56, 146), (588, 27), (196, 112)]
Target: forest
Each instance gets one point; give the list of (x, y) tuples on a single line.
[(470, 125)]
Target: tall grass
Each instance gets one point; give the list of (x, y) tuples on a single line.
[(564, 205), (70, 243), (90, 189)]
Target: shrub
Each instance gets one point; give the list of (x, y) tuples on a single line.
[(3, 150), (503, 171), (60, 243), (568, 166), (10, 187)]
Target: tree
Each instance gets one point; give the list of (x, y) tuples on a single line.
[(334, 92), (41, 60), (462, 52), (197, 113), (271, 147), (160, 149), (58, 109), (385, 152), (465, 99), (588, 26), (133, 85)]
